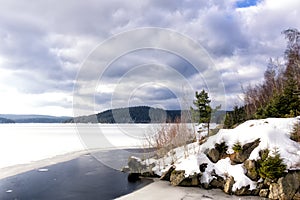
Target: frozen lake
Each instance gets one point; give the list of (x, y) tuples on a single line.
[(24, 143)]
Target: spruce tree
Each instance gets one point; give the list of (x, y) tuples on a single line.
[(202, 113)]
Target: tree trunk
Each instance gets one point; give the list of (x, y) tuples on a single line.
[(208, 129)]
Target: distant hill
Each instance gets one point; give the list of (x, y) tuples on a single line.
[(6, 121), (138, 114), (33, 118), (141, 114)]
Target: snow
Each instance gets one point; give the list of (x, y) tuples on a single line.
[(224, 167), (25, 143), (203, 129), (272, 132), (43, 170)]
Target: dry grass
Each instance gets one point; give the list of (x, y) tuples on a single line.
[(169, 136)]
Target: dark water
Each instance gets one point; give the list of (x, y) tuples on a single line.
[(82, 178)]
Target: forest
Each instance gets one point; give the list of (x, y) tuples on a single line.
[(278, 95)]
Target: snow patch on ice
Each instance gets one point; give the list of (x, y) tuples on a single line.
[(43, 170)]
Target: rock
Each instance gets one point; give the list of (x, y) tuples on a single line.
[(218, 182), (268, 182), (289, 185), (135, 165), (177, 177), (241, 156), (125, 169), (166, 175), (286, 187), (192, 180), (264, 193), (297, 196), (132, 177), (149, 174), (261, 185), (274, 191), (245, 190), (250, 166), (213, 155), (228, 185), (202, 167), (206, 186), (255, 192), (222, 149)]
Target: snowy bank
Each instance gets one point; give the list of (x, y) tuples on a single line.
[(162, 190), (193, 166)]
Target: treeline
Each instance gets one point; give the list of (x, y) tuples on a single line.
[(137, 114), (6, 121), (278, 95), (141, 114)]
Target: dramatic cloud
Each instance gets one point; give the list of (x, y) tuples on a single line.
[(44, 45)]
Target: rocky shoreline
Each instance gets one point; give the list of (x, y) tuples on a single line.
[(285, 187)]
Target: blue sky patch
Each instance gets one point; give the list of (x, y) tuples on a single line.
[(246, 3)]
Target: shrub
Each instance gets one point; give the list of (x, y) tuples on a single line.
[(271, 167), (237, 147), (295, 134)]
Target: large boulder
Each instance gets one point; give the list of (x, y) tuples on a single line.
[(213, 155), (166, 175), (177, 177), (286, 187), (191, 180), (274, 191), (289, 185), (243, 155), (137, 166), (218, 182), (250, 166)]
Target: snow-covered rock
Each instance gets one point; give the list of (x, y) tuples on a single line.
[(271, 133)]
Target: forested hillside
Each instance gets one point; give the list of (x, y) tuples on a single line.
[(138, 114), (279, 93)]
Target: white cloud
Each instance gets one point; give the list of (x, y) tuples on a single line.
[(44, 44)]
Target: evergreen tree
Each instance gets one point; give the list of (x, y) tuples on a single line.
[(271, 167), (235, 117), (290, 99), (203, 111), (278, 95)]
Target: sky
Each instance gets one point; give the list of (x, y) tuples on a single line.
[(72, 57)]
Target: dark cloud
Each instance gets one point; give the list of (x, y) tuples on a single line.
[(127, 62)]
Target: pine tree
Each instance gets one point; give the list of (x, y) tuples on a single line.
[(235, 117), (290, 98), (202, 113), (271, 167)]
